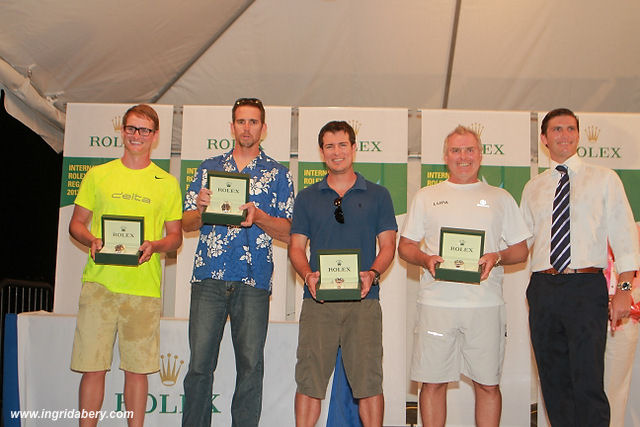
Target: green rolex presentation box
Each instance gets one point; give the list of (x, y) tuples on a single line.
[(229, 191), (461, 249), (339, 275), (121, 238)]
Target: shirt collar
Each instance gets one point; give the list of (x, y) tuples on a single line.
[(360, 184), (470, 186), (574, 164), (228, 159)]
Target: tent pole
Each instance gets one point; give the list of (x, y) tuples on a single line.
[(201, 52), (452, 52)]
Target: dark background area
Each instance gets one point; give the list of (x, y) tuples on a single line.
[(31, 172)]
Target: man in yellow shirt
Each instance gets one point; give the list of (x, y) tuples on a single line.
[(123, 299)]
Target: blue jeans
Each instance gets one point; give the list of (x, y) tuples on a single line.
[(248, 309)]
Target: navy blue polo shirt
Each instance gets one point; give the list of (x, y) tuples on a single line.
[(368, 211)]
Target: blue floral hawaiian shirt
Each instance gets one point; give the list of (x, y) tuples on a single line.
[(239, 253)]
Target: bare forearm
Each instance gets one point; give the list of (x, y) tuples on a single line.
[(168, 243), (412, 253), (383, 259), (299, 261), (514, 254), (81, 233), (191, 220)]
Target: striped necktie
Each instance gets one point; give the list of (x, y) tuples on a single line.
[(560, 225)]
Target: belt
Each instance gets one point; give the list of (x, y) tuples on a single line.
[(571, 270)]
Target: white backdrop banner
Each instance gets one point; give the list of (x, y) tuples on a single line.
[(505, 163), (206, 132), (44, 352), (381, 144), (92, 137)]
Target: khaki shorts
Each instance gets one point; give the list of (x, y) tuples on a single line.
[(354, 326), (450, 341), (101, 315)]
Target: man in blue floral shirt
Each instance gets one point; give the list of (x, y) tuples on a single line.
[(233, 269)]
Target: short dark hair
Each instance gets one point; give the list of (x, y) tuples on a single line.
[(337, 126), (555, 113), (253, 102), (143, 110)]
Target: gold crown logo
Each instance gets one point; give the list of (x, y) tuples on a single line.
[(169, 372), (593, 132), (355, 124), (477, 128), (117, 123)]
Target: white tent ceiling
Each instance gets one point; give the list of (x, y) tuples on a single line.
[(464, 54)]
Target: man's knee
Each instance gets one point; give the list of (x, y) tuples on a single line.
[(487, 389), (93, 377), (134, 378), (433, 388)]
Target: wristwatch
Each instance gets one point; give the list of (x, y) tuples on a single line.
[(625, 286), (498, 261), (376, 279)]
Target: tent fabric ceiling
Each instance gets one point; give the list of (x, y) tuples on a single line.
[(517, 55), (118, 51)]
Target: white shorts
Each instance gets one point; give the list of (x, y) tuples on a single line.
[(450, 341)]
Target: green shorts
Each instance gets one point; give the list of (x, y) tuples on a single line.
[(354, 326), (101, 315)]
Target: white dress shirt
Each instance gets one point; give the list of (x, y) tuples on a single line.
[(599, 211)]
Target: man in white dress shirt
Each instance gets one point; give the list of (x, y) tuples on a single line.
[(568, 305)]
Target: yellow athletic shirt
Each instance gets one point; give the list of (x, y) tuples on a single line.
[(114, 189)]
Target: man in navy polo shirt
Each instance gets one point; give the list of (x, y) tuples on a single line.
[(343, 211), (232, 271)]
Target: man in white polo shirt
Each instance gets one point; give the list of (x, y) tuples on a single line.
[(461, 327)]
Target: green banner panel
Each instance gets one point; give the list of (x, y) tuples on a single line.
[(163, 164), (631, 178), (393, 176), (310, 173), (73, 170), (433, 174), (187, 170)]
